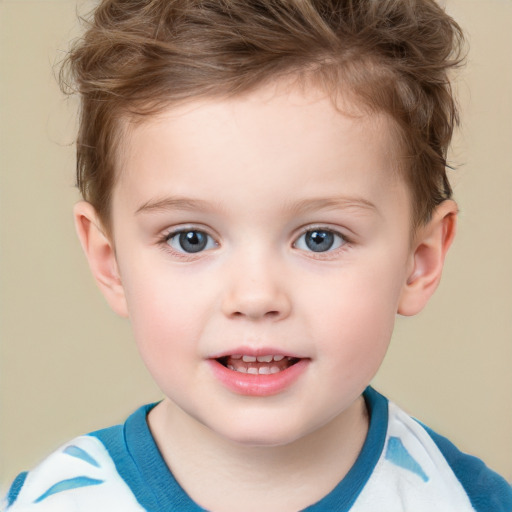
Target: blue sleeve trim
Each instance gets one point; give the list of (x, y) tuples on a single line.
[(16, 488), (487, 491), (66, 485), (75, 451), (397, 454)]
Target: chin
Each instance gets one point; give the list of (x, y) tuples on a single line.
[(259, 434), (259, 441)]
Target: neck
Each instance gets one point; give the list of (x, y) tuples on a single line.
[(221, 475)]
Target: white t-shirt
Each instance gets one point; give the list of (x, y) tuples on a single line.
[(403, 466)]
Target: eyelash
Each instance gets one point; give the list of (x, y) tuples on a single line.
[(340, 240), (168, 237)]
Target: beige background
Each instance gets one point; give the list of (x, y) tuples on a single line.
[(68, 365)]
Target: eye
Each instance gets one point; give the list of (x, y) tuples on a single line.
[(190, 241), (319, 240)]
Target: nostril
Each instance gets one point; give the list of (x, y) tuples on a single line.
[(268, 314), (255, 304)]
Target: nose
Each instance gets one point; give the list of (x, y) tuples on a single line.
[(255, 288)]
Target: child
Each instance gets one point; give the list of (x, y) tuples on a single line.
[(265, 189)]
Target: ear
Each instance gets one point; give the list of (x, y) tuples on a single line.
[(431, 244), (100, 254)]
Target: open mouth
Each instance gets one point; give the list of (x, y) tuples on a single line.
[(258, 365)]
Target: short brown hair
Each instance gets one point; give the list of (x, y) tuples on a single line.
[(138, 57)]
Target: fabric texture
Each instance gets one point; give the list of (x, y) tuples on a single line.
[(403, 466)]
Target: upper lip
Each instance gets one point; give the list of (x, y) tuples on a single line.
[(255, 352)]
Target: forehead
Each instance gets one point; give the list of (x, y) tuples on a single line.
[(283, 100), (263, 137)]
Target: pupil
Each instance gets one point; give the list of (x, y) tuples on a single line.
[(193, 241), (319, 241)]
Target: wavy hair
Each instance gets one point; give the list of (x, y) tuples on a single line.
[(138, 57)]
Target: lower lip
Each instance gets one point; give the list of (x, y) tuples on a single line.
[(258, 385)]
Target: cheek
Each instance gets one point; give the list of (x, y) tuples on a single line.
[(357, 315), (357, 342), (362, 324), (166, 314), (166, 329)]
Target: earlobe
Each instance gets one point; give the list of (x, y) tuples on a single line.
[(427, 259), (100, 254)]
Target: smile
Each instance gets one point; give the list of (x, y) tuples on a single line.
[(258, 375), (258, 365)]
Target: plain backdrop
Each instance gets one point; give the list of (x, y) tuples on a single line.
[(68, 365)]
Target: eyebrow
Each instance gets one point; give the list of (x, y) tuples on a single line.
[(303, 206), (333, 203), (174, 203)]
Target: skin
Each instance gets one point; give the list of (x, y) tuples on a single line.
[(257, 174)]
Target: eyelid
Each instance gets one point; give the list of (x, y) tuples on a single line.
[(345, 240), (174, 231), (180, 228), (342, 232)]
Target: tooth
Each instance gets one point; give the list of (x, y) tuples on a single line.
[(236, 356), (248, 359), (264, 370), (231, 367), (264, 359), (274, 369), (278, 358), (242, 369), (254, 371)]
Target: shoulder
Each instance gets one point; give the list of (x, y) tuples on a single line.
[(410, 441), (486, 490), (80, 476), (419, 470)]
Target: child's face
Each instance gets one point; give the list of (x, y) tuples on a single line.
[(267, 225)]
